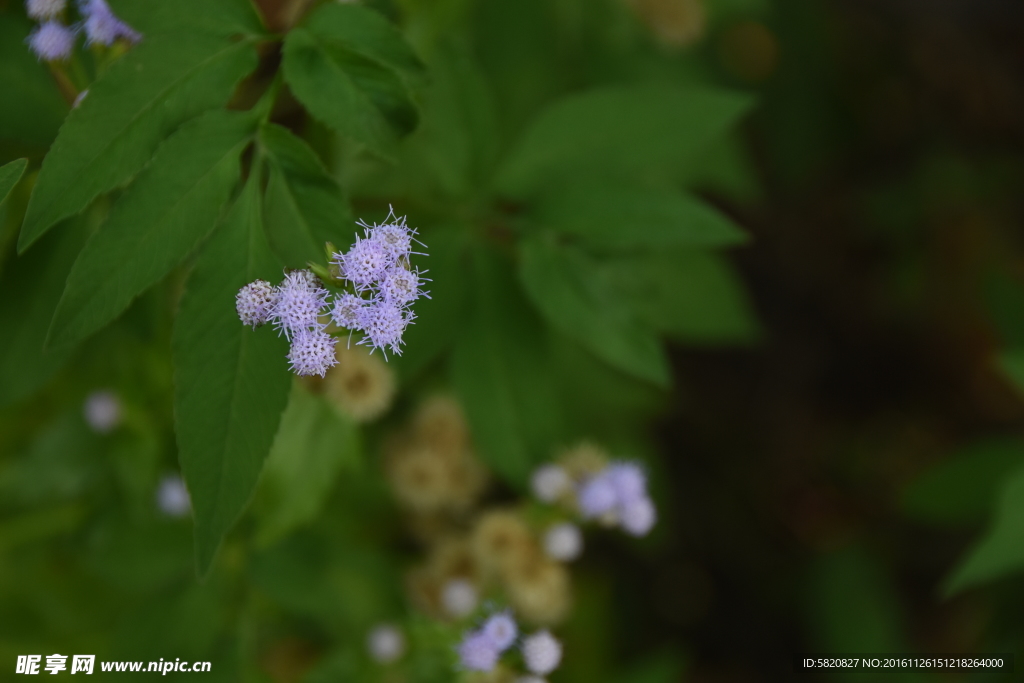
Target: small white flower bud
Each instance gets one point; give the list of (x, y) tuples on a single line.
[(255, 302), (563, 542), (102, 411), (459, 597), (542, 653), (385, 643), (549, 482), (172, 497)]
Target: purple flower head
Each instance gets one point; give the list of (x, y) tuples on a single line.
[(501, 629), (41, 10), (300, 299), (596, 496), (400, 286), (364, 263), (102, 411), (255, 302), (102, 26), (384, 323), (52, 41), (477, 652), (348, 310), (312, 352), (628, 480), (638, 517), (172, 497)]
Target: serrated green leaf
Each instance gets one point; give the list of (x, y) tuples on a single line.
[(617, 131), (219, 17), (314, 443), (38, 277), (569, 290), (963, 488), (999, 552), (33, 109), (171, 207), (10, 174), (623, 217), (161, 83), (690, 295), (350, 69), (500, 369), (231, 382), (305, 206)]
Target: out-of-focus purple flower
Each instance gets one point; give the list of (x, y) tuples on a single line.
[(172, 496), (102, 411), (102, 25), (42, 10), (542, 653), (628, 480), (477, 652), (52, 41), (501, 629), (596, 496), (638, 516)]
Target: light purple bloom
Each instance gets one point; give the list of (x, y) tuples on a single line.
[(102, 411), (597, 496), (41, 10), (628, 480), (255, 303), (347, 311), (312, 352), (400, 285), (364, 263), (172, 496), (638, 517), (478, 652), (384, 323), (501, 629), (300, 300), (52, 41), (102, 26)]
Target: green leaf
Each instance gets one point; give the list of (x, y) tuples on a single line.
[(163, 216), (617, 131), (38, 277), (623, 217), (569, 290), (963, 488), (314, 443), (33, 108), (350, 68), (219, 17), (999, 552), (305, 206), (501, 371), (231, 382), (1012, 364), (161, 83), (688, 294), (10, 174)]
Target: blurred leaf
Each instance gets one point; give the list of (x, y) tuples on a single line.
[(439, 319), (999, 551), (218, 17), (141, 557), (232, 382), (569, 290), (853, 607), (38, 276), (623, 217), (313, 443), (666, 667), (619, 131), (349, 66), (185, 621), (688, 294), (10, 174), (171, 207), (962, 488), (38, 525), (500, 369), (1012, 364), (305, 206), (143, 97), (33, 108)]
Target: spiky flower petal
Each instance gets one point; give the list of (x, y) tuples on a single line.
[(300, 299), (384, 323)]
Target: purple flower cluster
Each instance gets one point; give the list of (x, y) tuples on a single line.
[(619, 491), (383, 285), (481, 649), (54, 41)]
